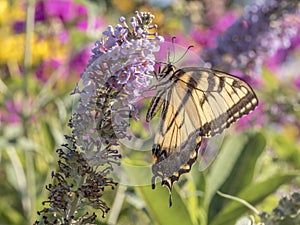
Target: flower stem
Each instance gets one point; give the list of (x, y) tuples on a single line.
[(30, 176), (28, 42), (116, 207), (76, 199), (242, 201)]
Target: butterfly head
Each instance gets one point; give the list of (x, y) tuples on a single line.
[(165, 70)]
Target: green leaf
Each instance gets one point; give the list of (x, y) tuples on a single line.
[(158, 205), (221, 168), (243, 170), (254, 194), (192, 200), (250, 147), (157, 200), (286, 147)]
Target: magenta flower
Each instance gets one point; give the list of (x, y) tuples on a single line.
[(13, 110), (256, 118), (297, 82), (11, 113), (79, 61), (18, 26), (40, 11), (206, 37), (46, 69), (226, 21), (275, 61), (66, 10)]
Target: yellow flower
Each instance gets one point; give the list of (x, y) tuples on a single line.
[(11, 45), (3, 10), (12, 48), (290, 132), (48, 48), (124, 6), (10, 13)]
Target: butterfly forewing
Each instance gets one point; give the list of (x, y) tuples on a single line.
[(228, 97), (195, 102)]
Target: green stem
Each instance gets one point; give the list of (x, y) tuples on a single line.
[(242, 201), (29, 155), (116, 208), (28, 43), (74, 205)]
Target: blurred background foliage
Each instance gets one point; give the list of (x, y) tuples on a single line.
[(45, 46)]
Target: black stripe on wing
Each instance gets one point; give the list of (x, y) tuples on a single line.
[(234, 110)]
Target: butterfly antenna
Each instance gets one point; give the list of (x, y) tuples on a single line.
[(169, 52), (173, 48), (183, 55)]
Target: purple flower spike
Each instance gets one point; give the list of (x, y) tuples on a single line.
[(118, 72), (262, 30)]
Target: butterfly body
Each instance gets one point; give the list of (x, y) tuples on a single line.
[(195, 103)]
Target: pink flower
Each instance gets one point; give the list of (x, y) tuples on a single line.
[(66, 10), (45, 70), (276, 60), (206, 37), (254, 37), (78, 62), (297, 82), (255, 118), (11, 113)]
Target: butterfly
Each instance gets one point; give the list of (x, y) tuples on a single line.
[(195, 103)]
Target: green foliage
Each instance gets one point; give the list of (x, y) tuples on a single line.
[(157, 202), (232, 172), (251, 166)]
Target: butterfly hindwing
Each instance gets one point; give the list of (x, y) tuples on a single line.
[(195, 102)]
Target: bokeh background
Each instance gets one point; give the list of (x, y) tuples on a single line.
[(45, 46)]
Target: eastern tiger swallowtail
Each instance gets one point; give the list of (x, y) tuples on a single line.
[(195, 103)]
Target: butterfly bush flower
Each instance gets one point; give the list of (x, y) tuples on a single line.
[(288, 210), (264, 28), (118, 72)]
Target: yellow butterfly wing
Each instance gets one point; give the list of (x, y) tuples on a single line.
[(195, 102)]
